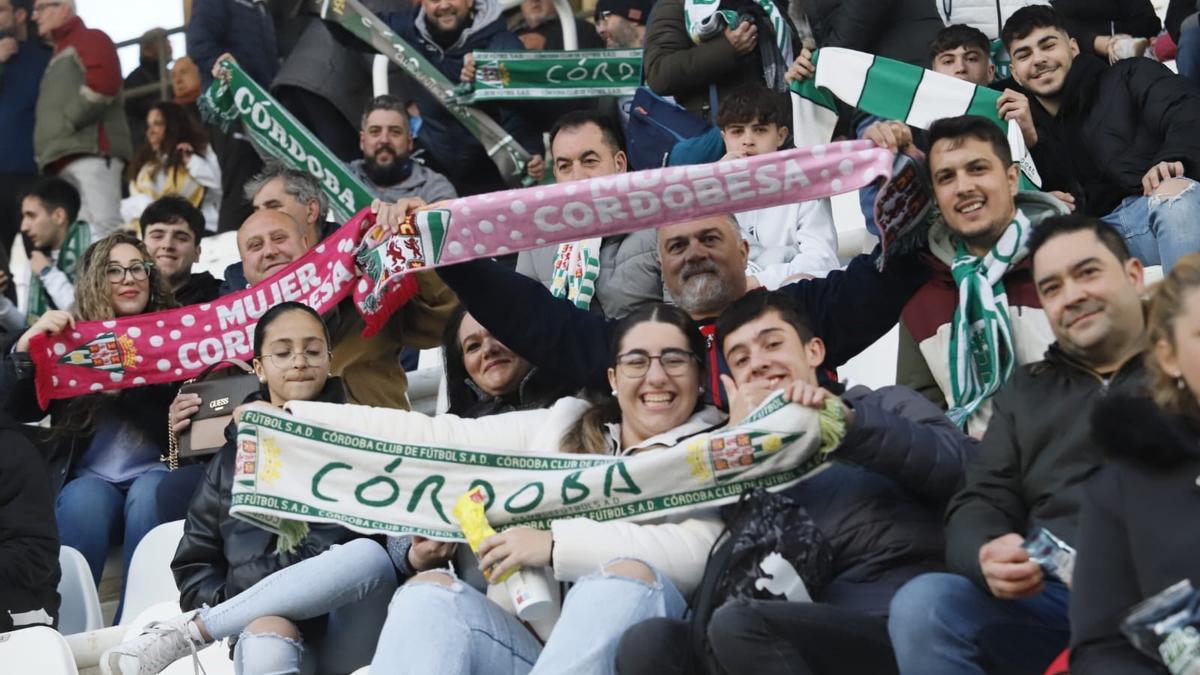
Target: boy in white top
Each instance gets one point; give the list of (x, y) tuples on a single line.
[(790, 241)]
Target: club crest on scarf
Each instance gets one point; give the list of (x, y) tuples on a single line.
[(106, 352)]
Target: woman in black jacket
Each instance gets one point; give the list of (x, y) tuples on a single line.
[(103, 448), (1137, 533), (237, 579), (484, 377)]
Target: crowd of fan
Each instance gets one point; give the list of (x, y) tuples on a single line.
[(1085, 428)]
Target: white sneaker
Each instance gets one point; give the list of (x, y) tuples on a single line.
[(160, 644)]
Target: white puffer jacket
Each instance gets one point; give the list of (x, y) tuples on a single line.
[(986, 15)]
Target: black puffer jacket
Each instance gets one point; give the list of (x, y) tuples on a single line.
[(1136, 530), (1035, 457), (880, 503), (29, 571), (1115, 123), (1086, 19), (896, 29), (220, 556)]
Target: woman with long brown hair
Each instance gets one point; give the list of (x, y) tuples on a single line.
[(176, 158), (1137, 533), (103, 448)]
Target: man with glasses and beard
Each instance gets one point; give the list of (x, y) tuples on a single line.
[(387, 167)]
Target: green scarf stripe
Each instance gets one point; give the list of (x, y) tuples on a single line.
[(983, 103), (889, 92)]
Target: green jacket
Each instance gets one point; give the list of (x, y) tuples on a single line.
[(81, 109)]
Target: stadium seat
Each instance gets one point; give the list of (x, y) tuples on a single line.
[(150, 581), (40, 649), (80, 607)]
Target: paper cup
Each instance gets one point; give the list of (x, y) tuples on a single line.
[(530, 593)]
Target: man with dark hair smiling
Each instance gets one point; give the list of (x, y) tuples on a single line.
[(979, 317), (171, 229), (1129, 132), (878, 505), (387, 167), (1000, 611), (586, 144)]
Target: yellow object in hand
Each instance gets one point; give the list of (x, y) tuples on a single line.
[(472, 520)]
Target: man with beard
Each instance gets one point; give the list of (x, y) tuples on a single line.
[(387, 167), (999, 611), (704, 270), (446, 32)]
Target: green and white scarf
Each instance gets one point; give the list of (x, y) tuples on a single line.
[(576, 269), (542, 75), (273, 130), (75, 242), (705, 19), (894, 90), (288, 469), (982, 355)]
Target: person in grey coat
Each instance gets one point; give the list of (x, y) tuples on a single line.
[(586, 144)]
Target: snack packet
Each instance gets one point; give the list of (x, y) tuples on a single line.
[(1053, 554), (1164, 627)]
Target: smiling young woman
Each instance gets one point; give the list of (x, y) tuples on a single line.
[(105, 448)]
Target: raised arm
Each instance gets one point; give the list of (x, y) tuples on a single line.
[(550, 333)]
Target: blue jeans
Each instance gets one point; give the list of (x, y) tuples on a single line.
[(1188, 57), (456, 630), (93, 514), (351, 583), (943, 623), (1160, 230)]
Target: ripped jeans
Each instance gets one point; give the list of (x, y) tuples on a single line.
[(351, 583), (1160, 230), (456, 630)]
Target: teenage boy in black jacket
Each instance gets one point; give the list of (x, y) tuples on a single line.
[(1130, 132)]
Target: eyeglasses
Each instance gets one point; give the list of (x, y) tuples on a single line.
[(637, 363), (43, 6), (312, 356), (138, 270)]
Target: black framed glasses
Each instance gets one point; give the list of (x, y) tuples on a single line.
[(636, 363), (138, 270)]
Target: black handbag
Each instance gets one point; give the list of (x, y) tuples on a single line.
[(220, 392)]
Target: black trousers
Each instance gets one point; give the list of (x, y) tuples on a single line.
[(763, 637)]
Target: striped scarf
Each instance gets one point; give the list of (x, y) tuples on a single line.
[(894, 90), (576, 269), (982, 356)]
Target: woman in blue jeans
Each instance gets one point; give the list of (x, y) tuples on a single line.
[(620, 572), (105, 447), (292, 610)]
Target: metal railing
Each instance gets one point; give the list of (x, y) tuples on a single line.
[(163, 86)]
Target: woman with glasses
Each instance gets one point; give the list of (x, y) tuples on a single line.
[(315, 608), (104, 448), (620, 573)]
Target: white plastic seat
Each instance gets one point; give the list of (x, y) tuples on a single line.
[(40, 650), (79, 610), (149, 580)]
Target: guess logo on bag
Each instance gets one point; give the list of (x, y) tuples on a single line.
[(217, 404)]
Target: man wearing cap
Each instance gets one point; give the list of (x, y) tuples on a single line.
[(622, 23)]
